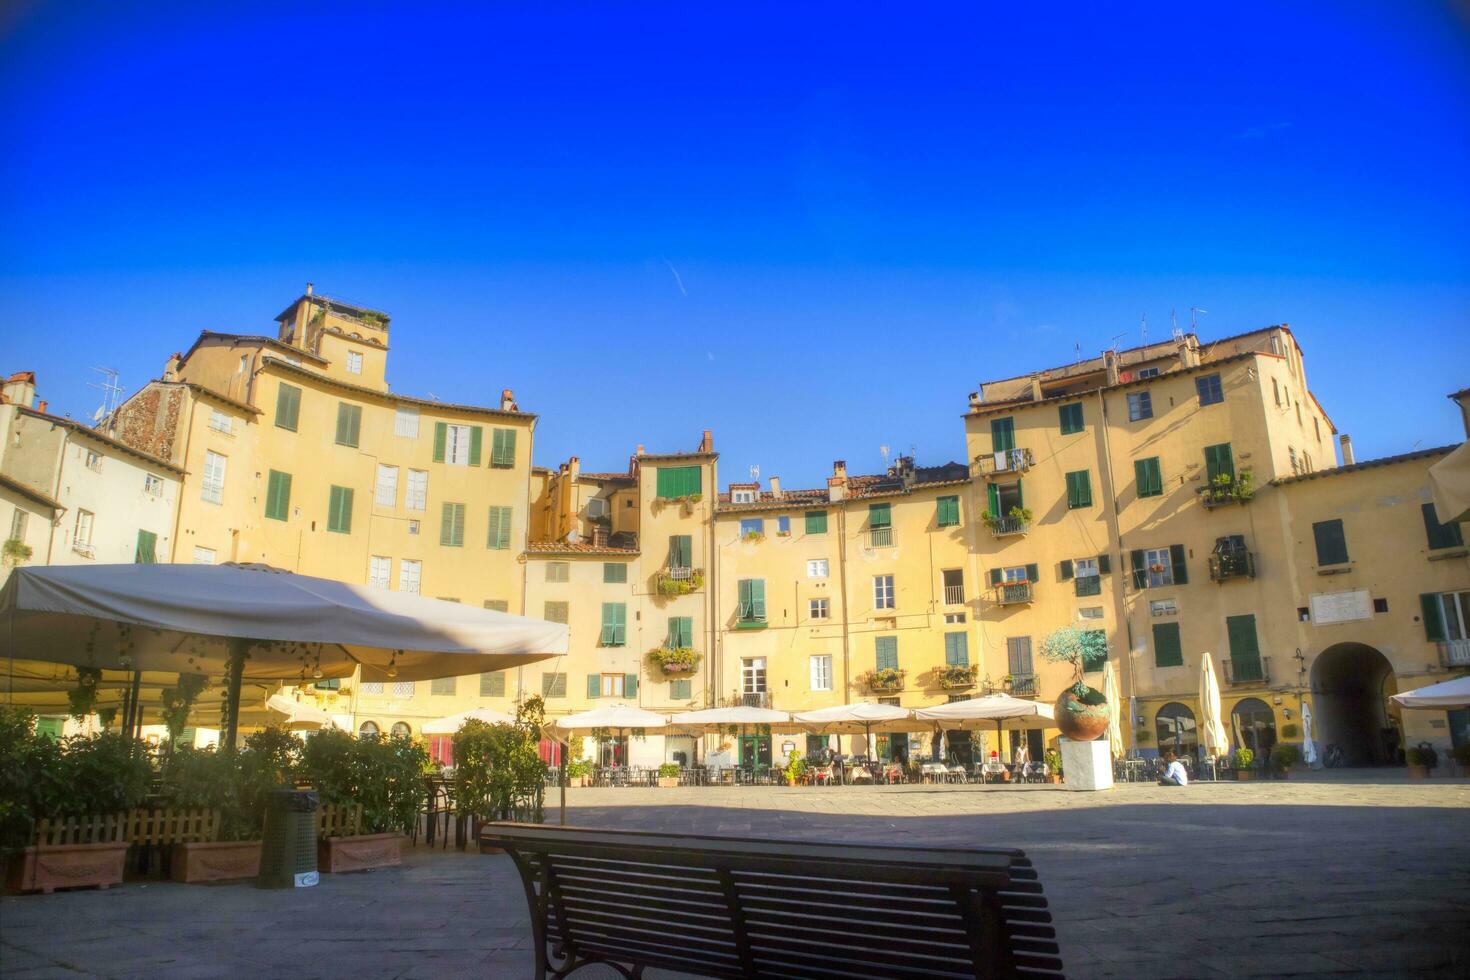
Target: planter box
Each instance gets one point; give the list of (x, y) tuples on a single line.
[(362, 853), (1418, 772), (47, 868), (218, 861), (1244, 775), (668, 782)]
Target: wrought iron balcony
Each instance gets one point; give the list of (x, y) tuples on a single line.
[(1013, 593), (749, 699), (1233, 564), (1002, 526), (1237, 491), (1238, 672), (1022, 686), (954, 595), (1454, 653), (1004, 463), (880, 537), (750, 616)]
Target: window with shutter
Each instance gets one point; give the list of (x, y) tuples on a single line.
[(1219, 461), (499, 536), (1140, 406), (816, 522), (1331, 542), (1148, 477), (681, 632), (288, 407), (416, 495), (1079, 489), (1177, 568), (146, 550), (630, 685), (594, 685), (477, 438), (1018, 656), (451, 525), (681, 689), (615, 572), (553, 685), (880, 515), (1071, 418), (406, 422), (614, 624), (1168, 651), (948, 511), (492, 685), (441, 440), (443, 685), (497, 605), (957, 649), (1002, 435), (677, 481), (558, 571), (1440, 535), (555, 611), (1210, 392), (1429, 605), (278, 495), (752, 593), (410, 576), (885, 650), (1245, 654), (339, 510), (349, 424), (681, 551), (503, 449)]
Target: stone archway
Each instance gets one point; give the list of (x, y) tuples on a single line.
[(1351, 683)]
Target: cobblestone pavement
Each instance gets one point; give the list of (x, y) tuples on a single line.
[(1362, 875)]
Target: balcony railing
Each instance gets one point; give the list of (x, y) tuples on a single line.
[(84, 549), (1247, 671), (1012, 593), (954, 595), (749, 699), (1022, 686), (880, 537), (1004, 462), (1454, 653), (1221, 494), (680, 573), (1235, 564), (750, 616), (1002, 526)]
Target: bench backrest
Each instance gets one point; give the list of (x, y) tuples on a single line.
[(740, 907)]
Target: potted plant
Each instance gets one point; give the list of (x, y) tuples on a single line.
[(16, 552), (1284, 755), (1422, 760), (579, 771), (1081, 711), (885, 679), (1053, 766), (752, 536), (795, 768), (384, 776), (955, 677), (676, 660), (234, 786), (1244, 759), (668, 775), (1461, 755), (669, 587)]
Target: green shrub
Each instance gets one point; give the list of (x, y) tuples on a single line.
[(30, 769), (1461, 754), (102, 774), (329, 764), (383, 775), (1422, 754), (1289, 730), (497, 768), (1054, 761), (1284, 755), (1244, 758), (669, 770)]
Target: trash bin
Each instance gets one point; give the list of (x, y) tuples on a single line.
[(288, 853)]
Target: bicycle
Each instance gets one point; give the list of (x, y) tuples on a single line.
[(1332, 756)]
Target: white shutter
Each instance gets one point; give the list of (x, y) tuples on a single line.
[(214, 477), (418, 490), (387, 486), (409, 576), (380, 572), (406, 423)]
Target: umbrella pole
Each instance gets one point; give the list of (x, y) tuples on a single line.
[(135, 714), (562, 755), (233, 673)]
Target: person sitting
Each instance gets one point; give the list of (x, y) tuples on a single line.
[(1174, 773)]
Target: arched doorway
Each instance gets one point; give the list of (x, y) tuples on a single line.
[(1176, 729), (1253, 726), (1351, 683), (368, 729)]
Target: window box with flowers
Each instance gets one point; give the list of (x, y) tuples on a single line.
[(678, 660), (669, 584), (955, 677), (885, 679)]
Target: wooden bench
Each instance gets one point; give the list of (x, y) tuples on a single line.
[(744, 907)]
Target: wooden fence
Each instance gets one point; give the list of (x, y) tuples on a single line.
[(140, 827)]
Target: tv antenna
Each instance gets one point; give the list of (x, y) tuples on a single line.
[(755, 473), (111, 393), (1143, 328), (1194, 312), (884, 450)]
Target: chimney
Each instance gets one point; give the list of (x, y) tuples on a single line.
[(775, 487), (639, 450), (20, 388), (974, 401), (171, 368), (1034, 388), (707, 444), (837, 482), (1188, 351), (508, 401), (1347, 449), (1110, 364), (41, 406), (574, 466)]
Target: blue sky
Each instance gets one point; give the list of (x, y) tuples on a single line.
[(813, 229)]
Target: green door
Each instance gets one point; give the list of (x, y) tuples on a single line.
[(755, 751)]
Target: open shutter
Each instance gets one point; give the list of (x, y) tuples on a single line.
[(995, 576), (880, 515), (146, 551), (1176, 558), (1032, 574), (994, 496), (594, 685), (1140, 568), (630, 685), (1104, 564), (1433, 621), (446, 524), (1066, 569), (758, 597), (477, 437), (1020, 496), (1168, 651), (441, 436)]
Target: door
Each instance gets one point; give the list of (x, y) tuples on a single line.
[(755, 751)]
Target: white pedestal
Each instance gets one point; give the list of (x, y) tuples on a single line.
[(1087, 765)]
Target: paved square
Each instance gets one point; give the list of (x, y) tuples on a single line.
[(1364, 876)]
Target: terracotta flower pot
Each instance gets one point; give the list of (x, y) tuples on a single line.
[(668, 782), (45, 869), (1418, 772), (1244, 775), (217, 861), (1079, 720), (338, 854)]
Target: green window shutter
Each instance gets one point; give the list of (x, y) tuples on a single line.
[(492, 685), (680, 690), (1002, 435), (441, 439), (1148, 477), (1020, 495), (1089, 585), (50, 727), (1219, 460), (451, 526), (594, 685), (1168, 651), (278, 495), (1433, 621), (1070, 418), (1104, 564), (1331, 542), (993, 494), (146, 553), (743, 588), (1079, 489), (477, 439), (1241, 631), (681, 551), (503, 448), (957, 649), (1176, 558), (948, 511), (499, 535), (681, 632), (816, 522), (885, 649), (630, 685), (1440, 535), (758, 597), (678, 481), (880, 515), (339, 510), (614, 624), (996, 576), (614, 572), (349, 424), (1139, 566), (1032, 574), (664, 482), (1066, 569), (497, 605), (288, 407)]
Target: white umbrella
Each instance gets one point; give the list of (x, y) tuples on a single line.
[(1449, 482), (864, 717), (1444, 696), (298, 715), (254, 622), (451, 723), (1309, 747), (1000, 709), (1212, 734), (715, 719), (617, 716), (1115, 728)]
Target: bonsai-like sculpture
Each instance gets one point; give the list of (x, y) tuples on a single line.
[(1081, 711)]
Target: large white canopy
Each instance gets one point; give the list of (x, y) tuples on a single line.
[(986, 711), (183, 618), (861, 718), (715, 719), (450, 724), (612, 717), (1444, 696), (1449, 482), (1212, 734), (296, 714), (1115, 726)]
